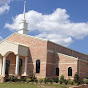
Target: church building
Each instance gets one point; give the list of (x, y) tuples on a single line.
[(21, 54)]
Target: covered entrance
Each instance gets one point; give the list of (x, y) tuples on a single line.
[(13, 60)]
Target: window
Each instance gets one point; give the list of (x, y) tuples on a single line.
[(7, 67), (57, 71), (20, 66), (37, 66), (69, 71)]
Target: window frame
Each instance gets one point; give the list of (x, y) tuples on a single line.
[(70, 71), (57, 71), (38, 66)]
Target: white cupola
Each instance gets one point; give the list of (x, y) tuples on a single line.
[(23, 26)]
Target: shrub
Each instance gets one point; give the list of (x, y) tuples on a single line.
[(76, 78), (87, 76), (60, 81), (66, 82), (78, 82), (15, 79), (62, 78), (45, 80), (28, 80), (12, 79), (23, 79), (40, 80), (55, 79), (51, 80), (70, 81), (7, 79), (32, 79), (85, 81), (35, 80)]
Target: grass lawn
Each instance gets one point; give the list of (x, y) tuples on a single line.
[(29, 85)]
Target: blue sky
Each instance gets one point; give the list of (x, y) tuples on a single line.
[(62, 21)]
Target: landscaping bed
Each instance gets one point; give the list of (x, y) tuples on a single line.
[(33, 82)]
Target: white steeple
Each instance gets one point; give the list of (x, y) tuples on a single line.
[(23, 26)]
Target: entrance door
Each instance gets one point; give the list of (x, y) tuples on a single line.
[(20, 66), (7, 67)]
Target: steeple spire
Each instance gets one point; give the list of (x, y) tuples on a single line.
[(23, 25), (24, 9)]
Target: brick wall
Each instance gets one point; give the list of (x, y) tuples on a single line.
[(63, 62), (12, 58), (63, 58), (49, 60), (82, 69), (38, 50), (61, 49)]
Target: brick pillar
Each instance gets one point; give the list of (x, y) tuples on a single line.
[(17, 65), (25, 70)]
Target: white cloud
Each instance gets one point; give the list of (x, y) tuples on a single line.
[(4, 8), (4, 1), (56, 26)]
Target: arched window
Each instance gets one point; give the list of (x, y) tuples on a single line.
[(57, 71), (69, 71), (37, 66)]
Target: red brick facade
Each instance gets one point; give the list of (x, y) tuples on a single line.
[(38, 50), (51, 56)]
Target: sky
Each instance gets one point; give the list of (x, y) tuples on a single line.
[(64, 22)]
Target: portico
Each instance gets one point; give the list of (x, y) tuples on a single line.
[(13, 59)]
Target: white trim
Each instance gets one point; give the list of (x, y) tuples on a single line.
[(62, 54), (31, 36), (67, 63), (7, 38), (67, 56), (67, 48), (16, 43), (53, 64), (83, 60)]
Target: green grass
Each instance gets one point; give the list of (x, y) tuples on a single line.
[(30, 85), (18, 85), (57, 86)]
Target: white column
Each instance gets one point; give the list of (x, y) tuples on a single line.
[(0, 66), (25, 70), (4, 66), (17, 65)]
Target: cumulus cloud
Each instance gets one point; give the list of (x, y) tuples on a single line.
[(4, 1), (55, 26), (4, 8)]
